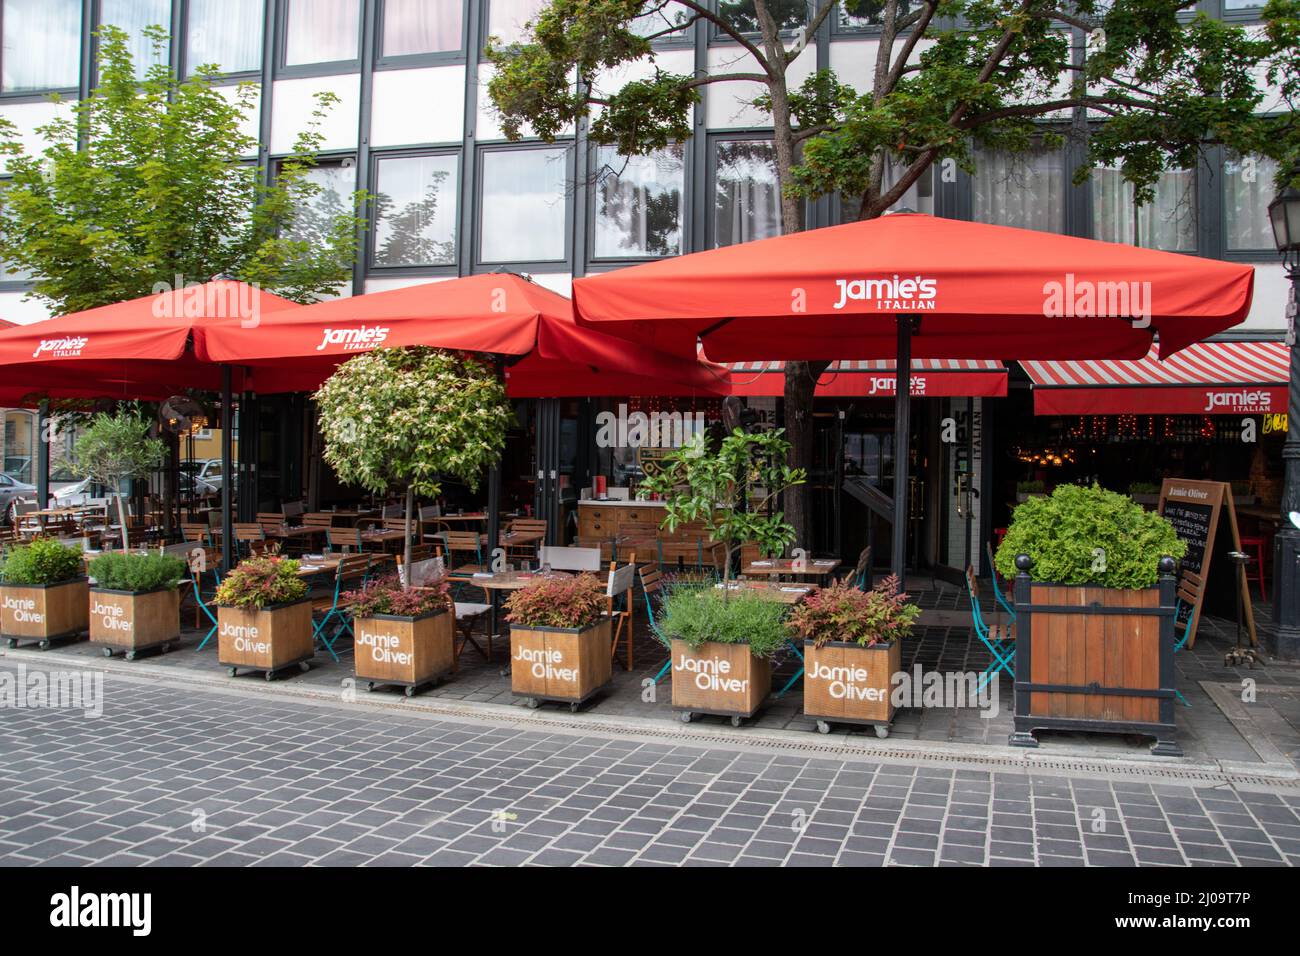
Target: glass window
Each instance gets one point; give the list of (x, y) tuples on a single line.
[(321, 31), (314, 220), (918, 198), (1169, 222), (667, 18), (746, 197), (789, 14), (132, 16), (508, 19), (1026, 190), (1249, 185), (523, 205), (865, 14), (42, 45), (421, 26), (639, 203), (1242, 4), (415, 210), (225, 32)]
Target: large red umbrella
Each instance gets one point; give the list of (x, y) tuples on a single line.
[(910, 285), (974, 290)]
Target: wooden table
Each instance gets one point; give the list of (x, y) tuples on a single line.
[(772, 567), (786, 594), (493, 584)]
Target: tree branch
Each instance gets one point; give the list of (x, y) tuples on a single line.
[(705, 13)]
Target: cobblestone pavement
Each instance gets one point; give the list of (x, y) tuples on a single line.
[(175, 775)]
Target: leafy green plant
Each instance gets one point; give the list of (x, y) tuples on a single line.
[(1030, 487), (386, 596), (842, 612), (137, 572), (112, 449), (1082, 535), (408, 416), (262, 582), (547, 601), (698, 615), (719, 488), (42, 561), (144, 180)]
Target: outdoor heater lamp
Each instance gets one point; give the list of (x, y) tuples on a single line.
[(1284, 216)]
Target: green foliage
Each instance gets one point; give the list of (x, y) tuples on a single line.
[(387, 596), (137, 572), (160, 190), (577, 601), (699, 484), (111, 449), (262, 582), (1082, 535), (409, 416), (842, 612), (695, 616), (42, 561)]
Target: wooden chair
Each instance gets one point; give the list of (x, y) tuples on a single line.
[(193, 531), (652, 588), (1188, 597), (462, 545), (271, 521), (526, 526), (318, 519), (264, 548), (346, 540), (349, 575), (247, 531), (622, 619), (639, 536)]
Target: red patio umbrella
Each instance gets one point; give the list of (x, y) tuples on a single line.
[(910, 285)]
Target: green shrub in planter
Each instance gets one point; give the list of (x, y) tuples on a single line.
[(137, 572), (1088, 536), (697, 616), (43, 561)]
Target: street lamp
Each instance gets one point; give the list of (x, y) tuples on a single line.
[(1284, 216)]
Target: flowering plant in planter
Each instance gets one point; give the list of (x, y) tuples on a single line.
[(262, 582), (842, 612), (576, 602), (387, 596)]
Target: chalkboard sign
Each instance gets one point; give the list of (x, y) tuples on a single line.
[(1195, 509)]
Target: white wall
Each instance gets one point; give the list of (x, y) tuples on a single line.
[(293, 102), (439, 118)]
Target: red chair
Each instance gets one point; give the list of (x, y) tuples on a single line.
[(1257, 548)]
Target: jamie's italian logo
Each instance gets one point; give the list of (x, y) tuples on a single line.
[(352, 340), (1245, 400), (895, 294), (67, 347)]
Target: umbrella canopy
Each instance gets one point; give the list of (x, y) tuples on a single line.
[(139, 348), (974, 290), (500, 313)]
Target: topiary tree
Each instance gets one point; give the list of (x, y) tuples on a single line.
[(1081, 535), (409, 416), (717, 487), (112, 449)]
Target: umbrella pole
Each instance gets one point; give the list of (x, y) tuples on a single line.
[(227, 516), (902, 441)]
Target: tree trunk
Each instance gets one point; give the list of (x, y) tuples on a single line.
[(121, 517), (406, 537)]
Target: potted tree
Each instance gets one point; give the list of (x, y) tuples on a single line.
[(722, 648), (852, 649), (113, 449), (264, 617), (731, 489), (42, 593), (408, 416), (134, 602), (1095, 621), (560, 645), (402, 636)]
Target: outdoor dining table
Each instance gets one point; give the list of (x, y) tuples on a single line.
[(786, 594), (794, 567), (494, 583)]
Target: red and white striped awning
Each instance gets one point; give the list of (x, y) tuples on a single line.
[(1209, 378), (876, 378)]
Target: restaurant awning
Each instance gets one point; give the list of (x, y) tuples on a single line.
[(1208, 378), (866, 378)]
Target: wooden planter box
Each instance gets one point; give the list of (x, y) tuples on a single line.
[(134, 621), (268, 640), (1095, 659), (43, 612), (845, 683), (407, 651), (560, 664), (722, 679)]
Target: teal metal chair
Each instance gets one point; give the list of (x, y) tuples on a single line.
[(997, 589), (205, 606), (998, 638), (652, 586), (352, 572)]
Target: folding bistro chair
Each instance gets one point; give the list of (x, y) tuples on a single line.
[(652, 586), (347, 540), (1000, 639), (997, 589), (248, 531), (350, 574), (209, 562), (862, 570), (619, 586)]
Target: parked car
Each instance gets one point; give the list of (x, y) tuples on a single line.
[(10, 490), (206, 469), (83, 491)]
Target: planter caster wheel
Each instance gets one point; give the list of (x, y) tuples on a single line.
[(303, 667), (686, 717), (231, 671), (370, 686), (165, 648), (823, 727), (129, 655), (573, 707), (410, 691), (108, 652), (882, 731), (11, 642), (532, 703), (737, 721), (270, 676), (44, 645)]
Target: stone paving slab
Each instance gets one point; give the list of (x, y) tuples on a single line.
[(180, 775)]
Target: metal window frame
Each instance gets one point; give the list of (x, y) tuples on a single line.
[(407, 61), (43, 94), (684, 214), (377, 271), (570, 148), (181, 62), (285, 70)]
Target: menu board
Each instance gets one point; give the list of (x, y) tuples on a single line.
[(1195, 509)]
